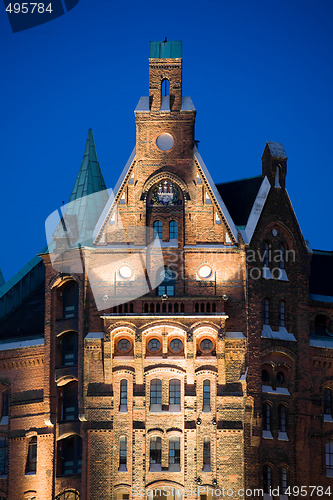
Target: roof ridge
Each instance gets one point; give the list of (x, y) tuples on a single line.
[(239, 180)]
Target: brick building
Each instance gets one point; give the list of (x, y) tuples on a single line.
[(220, 376)]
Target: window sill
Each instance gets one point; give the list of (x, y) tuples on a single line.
[(122, 468), (3, 476), (4, 421), (155, 468), (123, 409), (283, 436), (327, 418), (329, 472), (206, 468), (174, 468), (30, 473), (267, 435)]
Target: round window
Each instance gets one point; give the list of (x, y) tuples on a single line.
[(124, 345), (206, 345), (125, 272), (205, 272), (176, 345), (154, 345), (164, 141)]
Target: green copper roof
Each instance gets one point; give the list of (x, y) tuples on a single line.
[(165, 50), (89, 194), (90, 178)]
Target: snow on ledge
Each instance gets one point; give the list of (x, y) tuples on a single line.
[(20, 344), (94, 335), (279, 390), (282, 334)]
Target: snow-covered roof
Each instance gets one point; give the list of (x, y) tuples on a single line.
[(94, 335), (143, 104), (111, 199), (277, 149), (216, 194), (282, 334), (257, 209), (21, 343)]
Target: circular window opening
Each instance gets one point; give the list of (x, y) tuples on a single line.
[(125, 272), (280, 378), (206, 345), (154, 345), (165, 141), (205, 272), (176, 345), (124, 345)]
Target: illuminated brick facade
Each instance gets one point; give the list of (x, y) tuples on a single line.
[(219, 377)]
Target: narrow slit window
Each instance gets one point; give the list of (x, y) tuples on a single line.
[(206, 396), (123, 395), (31, 465)]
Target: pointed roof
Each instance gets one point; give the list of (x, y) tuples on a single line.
[(2, 279), (90, 178), (89, 194)]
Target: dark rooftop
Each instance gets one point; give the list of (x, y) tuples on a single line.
[(321, 276), (239, 197)]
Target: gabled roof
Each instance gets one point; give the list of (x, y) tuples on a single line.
[(239, 197), (321, 275)]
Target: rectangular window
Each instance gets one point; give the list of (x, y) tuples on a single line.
[(123, 396), (174, 392), (3, 456), (174, 454), (206, 455), (206, 396), (155, 454), (266, 312), (282, 313), (123, 454), (327, 402), (155, 395), (31, 465)]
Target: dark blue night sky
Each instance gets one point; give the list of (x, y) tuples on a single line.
[(256, 71)]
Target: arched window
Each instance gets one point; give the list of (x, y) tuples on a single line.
[(267, 478), (123, 396), (282, 256), (328, 402), (173, 230), (321, 325), (68, 495), (266, 312), (70, 455), (283, 480), (155, 395), (282, 411), (69, 401), (69, 349), (123, 454), (265, 254), (174, 395), (167, 287), (158, 229), (206, 455), (70, 300), (265, 376), (206, 396), (3, 456), (165, 87), (280, 378), (174, 454), (266, 417), (31, 464), (155, 454), (282, 313), (329, 458)]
